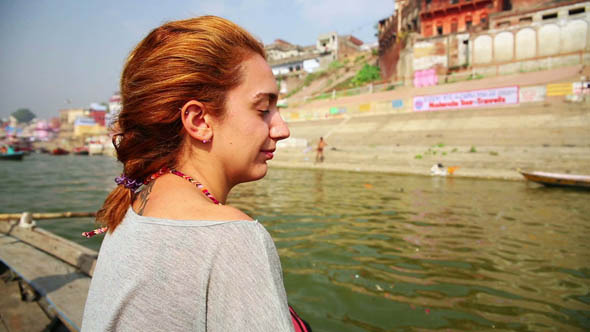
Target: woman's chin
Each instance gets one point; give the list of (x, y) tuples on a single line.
[(256, 174), (260, 172)]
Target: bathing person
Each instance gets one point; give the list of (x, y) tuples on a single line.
[(199, 116), (319, 157)]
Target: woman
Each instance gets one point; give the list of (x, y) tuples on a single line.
[(199, 116)]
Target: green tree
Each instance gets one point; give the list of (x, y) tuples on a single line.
[(366, 74), (23, 115)]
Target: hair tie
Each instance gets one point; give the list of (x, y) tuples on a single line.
[(128, 182)]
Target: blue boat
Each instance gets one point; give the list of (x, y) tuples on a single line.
[(12, 156)]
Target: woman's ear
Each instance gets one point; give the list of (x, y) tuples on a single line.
[(195, 122)]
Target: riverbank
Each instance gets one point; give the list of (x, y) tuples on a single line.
[(382, 133), (487, 162), (495, 143)]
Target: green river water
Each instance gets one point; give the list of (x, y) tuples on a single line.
[(378, 252)]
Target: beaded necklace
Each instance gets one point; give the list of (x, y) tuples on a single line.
[(162, 171)]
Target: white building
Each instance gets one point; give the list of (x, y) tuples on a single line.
[(114, 108)]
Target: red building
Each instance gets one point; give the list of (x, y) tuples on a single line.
[(98, 116), (442, 17)]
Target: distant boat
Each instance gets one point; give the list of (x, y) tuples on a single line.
[(558, 179), (95, 148), (12, 156), (59, 152), (82, 150)]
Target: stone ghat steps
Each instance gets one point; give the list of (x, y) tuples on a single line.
[(538, 124)]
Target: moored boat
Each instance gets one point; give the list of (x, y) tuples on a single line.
[(558, 179), (59, 152), (12, 156), (82, 150)]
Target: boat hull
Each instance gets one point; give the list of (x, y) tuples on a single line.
[(12, 156), (59, 152), (558, 180)]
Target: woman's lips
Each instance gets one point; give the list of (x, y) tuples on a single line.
[(268, 153)]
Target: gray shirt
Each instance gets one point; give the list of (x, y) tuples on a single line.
[(157, 274)]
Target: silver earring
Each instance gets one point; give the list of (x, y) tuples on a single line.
[(205, 141)]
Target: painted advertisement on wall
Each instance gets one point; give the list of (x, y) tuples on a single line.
[(581, 88), (467, 99), (424, 78), (532, 94), (398, 103)]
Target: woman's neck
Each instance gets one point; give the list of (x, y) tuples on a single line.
[(209, 174)]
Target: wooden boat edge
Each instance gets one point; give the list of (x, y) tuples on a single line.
[(555, 181)]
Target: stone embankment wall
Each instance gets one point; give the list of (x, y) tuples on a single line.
[(384, 132), (532, 87), (543, 40)]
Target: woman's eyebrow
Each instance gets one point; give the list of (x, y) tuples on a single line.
[(262, 96)]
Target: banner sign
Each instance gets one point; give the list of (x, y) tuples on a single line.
[(476, 98)]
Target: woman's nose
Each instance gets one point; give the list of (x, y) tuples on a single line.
[(278, 129)]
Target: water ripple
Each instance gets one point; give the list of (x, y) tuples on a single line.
[(374, 252)]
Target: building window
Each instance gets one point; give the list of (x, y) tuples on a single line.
[(503, 24), (454, 25), (577, 11), (550, 16), (454, 2), (468, 23), (525, 20), (484, 18), (439, 30), (506, 5)]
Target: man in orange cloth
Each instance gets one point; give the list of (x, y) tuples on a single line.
[(320, 150)]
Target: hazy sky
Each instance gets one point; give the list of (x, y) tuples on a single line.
[(58, 54)]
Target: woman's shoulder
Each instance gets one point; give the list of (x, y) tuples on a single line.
[(228, 212), (184, 203), (207, 211)]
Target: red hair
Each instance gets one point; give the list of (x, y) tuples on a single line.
[(193, 59)]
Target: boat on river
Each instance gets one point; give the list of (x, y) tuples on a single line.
[(12, 156), (81, 151), (558, 179), (59, 152)]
